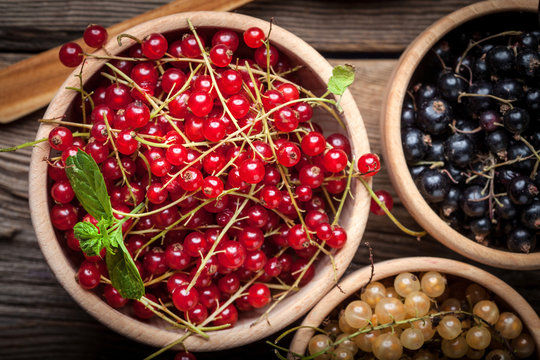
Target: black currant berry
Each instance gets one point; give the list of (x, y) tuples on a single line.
[(435, 151), (481, 227), (532, 101), (478, 103), (509, 89), (434, 116), (473, 202), (433, 185), (480, 70), (408, 117), (530, 215), (518, 151), (417, 170), (528, 63), (459, 149), (522, 190), (521, 239), (505, 208), (516, 120), (456, 173), (415, 144), (500, 60), (450, 203), (450, 85), (489, 120), (528, 41), (497, 142), (425, 93), (504, 175)]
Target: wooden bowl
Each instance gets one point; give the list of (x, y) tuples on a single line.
[(355, 281), (156, 332), (393, 151)]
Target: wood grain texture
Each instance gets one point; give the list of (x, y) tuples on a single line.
[(33, 305)]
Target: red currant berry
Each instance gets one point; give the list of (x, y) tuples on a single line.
[(289, 91), (71, 54), (336, 186), (126, 143), (335, 160), (62, 192), (272, 267), (196, 314), (252, 238), (270, 197), (338, 238), (113, 297), (195, 244), (369, 164), (238, 105), (313, 143), (64, 216), (324, 231), (194, 128), (184, 356), (339, 141), (173, 80), (285, 119), (176, 280), (220, 55), (160, 167), (383, 197), (137, 114), (297, 238), (230, 82), (178, 106), (145, 74), (298, 267), (288, 154), (154, 46), (97, 150), (214, 129), (118, 96), (311, 175), (258, 295), (95, 36), (255, 260), (60, 138), (272, 176), (252, 171), (266, 56), (232, 254), (254, 37), (257, 216), (214, 162), (176, 257), (184, 299), (229, 316), (70, 151), (141, 311), (190, 46), (229, 283), (88, 275), (209, 296), (226, 37), (304, 111), (271, 99), (303, 192), (212, 187), (200, 103), (176, 154), (191, 179), (156, 193), (56, 171)]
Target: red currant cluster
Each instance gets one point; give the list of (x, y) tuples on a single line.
[(219, 145)]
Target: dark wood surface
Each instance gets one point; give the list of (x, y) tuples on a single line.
[(38, 319)]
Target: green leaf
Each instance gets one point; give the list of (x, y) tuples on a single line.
[(342, 77), (89, 237), (89, 186), (123, 273)]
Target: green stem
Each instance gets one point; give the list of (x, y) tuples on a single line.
[(417, 234)]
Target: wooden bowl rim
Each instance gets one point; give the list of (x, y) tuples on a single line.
[(393, 151), (288, 310), (354, 281)]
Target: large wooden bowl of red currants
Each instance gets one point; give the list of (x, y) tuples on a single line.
[(419, 308), (186, 196), (461, 132)]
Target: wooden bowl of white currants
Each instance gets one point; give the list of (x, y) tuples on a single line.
[(314, 75), (428, 195), (421, 307)]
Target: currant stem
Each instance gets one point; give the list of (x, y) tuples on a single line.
[(417, 234)]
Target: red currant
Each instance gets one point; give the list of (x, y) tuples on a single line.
[(184, 299), (220, 55), (335, 160), (113, 297), (154, 46), (369, 164), (254, 37), (60, 138), (385, 198), (190, 47), (212, 187), (62, 192), (95, 36), (288, 154), (200, 103), (252, 171), (313, 143), (258, 295), (71, 54), (88, 275)]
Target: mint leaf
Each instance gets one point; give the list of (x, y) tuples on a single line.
[(89, 237), (89, 186), (342, 77), (123, 273)]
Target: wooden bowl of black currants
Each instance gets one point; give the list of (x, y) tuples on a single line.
[(461, 132)]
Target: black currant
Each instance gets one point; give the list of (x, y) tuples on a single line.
[(528, 40), (481, 227), (459, 149), (450, 203), (450, 85), (517, 150), (415, 144), (530, 215), (435, 151), (497, 142), (489, 120), (516, 120), (500, 60), (424, 93), (509, 89), (473, 202), (528, 63), (433, 185), (532, 101), (521, 239), (522, 190), (408, 117), (478, 103), (434, 116), (505, 208), (417, 170)]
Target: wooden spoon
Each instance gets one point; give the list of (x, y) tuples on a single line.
[(30, 84)]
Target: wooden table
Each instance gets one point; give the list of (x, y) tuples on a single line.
[(38, 319)]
